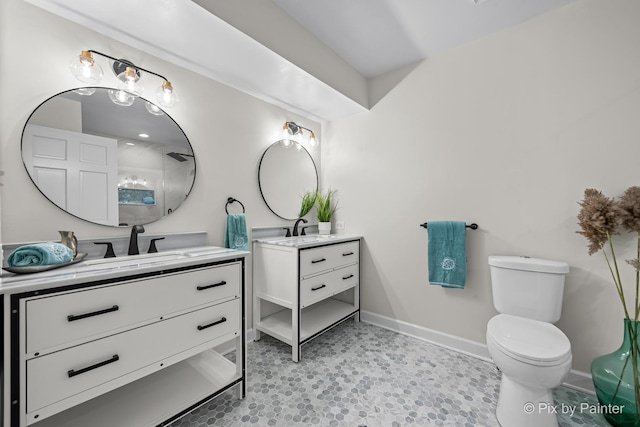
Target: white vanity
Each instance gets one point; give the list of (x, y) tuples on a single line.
[(303, 286), (123, 342)]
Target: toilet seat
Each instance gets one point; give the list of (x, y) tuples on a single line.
[(529, 341)]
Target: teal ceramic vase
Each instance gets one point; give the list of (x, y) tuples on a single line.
[(615, 377)]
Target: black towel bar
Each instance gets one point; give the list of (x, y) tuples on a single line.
[(231, 200), (472, 226)]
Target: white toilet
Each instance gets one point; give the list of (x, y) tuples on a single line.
[(533, 355)]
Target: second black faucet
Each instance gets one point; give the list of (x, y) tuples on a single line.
[(295, 226), (133, 240)]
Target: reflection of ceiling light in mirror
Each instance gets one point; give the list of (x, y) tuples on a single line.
[(143, 135), (85, 91), (85, 69), (130, 143), (120, 97), (153, 109), (129, 80), (286, 142)]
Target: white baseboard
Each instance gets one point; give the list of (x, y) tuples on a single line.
[(577, 380)]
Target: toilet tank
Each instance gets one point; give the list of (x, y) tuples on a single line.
[(528, 287)]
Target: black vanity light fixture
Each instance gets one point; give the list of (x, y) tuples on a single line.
[(295, 130), (87, 70)]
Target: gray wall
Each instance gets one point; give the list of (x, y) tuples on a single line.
[(507, 132)]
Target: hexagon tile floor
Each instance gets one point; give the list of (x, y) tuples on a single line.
[(358, 374)]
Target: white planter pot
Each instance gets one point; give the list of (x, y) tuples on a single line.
[(324, 228)]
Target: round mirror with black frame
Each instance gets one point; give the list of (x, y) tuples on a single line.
[(286, 172), (107, 157)]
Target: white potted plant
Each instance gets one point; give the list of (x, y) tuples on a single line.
[(325, 210)]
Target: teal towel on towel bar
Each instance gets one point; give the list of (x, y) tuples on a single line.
[(40, 254), (235, 237), (447, 253)]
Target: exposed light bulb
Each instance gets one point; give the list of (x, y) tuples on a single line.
[(312, 140), (167, 96), (285, 132), (129, 80), (85, 69)]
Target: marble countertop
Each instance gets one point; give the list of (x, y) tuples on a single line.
[(110, 268), (307, 241)]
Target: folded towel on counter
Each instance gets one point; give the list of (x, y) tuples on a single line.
[(446, 251), (40, 254), (235, 237)]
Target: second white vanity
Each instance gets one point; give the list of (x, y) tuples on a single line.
[(136, 341), (303, 286)]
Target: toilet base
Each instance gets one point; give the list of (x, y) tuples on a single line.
[(523, 406)]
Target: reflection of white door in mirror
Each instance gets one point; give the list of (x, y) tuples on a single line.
[(78, 172), (146, 144)]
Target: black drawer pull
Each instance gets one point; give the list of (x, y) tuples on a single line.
[(347, 253), (347, 277), (318, 287), (315, 261), (72, 373), (73, 317), (203, 287), (201, 327)]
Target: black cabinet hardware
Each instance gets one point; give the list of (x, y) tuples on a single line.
[(347, 253), (318, 287), (201, 327), (347, 277), (72, 373), (73, 317), (203, 287), (315, 261)]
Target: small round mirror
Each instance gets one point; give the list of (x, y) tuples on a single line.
[(286, 172)]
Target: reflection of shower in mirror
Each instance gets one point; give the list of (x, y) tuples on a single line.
[(179, 156)]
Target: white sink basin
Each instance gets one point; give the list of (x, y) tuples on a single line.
[(136, 260)]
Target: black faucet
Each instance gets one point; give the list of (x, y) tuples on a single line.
[(133, 241), (295, 226)]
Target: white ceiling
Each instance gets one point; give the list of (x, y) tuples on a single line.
[(374, 36), (378, 36)]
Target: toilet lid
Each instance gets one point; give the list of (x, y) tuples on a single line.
[(528, 339)]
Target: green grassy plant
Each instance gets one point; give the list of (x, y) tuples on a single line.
[(325, 208)]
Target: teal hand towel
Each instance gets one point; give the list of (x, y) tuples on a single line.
[(447, 253), (235, 237), (40, 254)]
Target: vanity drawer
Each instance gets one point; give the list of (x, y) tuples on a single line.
[(319, 287), (58, 376), (324, 258), (56, 320)]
